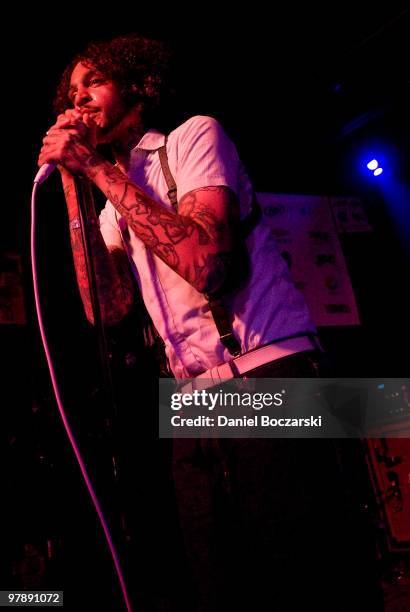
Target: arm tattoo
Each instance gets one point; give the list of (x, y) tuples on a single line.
[(195, 242), (113, 276), (114, 283), (213, 272)]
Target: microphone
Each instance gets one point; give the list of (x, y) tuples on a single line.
[(44, 172)]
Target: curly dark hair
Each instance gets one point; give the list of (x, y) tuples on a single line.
[(140, 66)]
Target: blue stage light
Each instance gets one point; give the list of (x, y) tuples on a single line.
[(373, 164), (378, 171)]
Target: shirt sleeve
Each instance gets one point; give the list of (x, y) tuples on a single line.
[(206, 157), (109, 226)]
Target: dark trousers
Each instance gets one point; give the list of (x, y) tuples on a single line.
[(267, 524)]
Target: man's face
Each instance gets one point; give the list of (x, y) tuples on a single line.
[(91, 92)]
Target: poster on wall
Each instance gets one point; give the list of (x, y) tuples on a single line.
[(307, 238), (349, 215)]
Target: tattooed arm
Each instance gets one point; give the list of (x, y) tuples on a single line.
[(113, 277), (196, 243)]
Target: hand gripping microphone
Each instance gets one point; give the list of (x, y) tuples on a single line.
[(44, 172)]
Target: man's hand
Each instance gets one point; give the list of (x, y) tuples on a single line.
[(70, 142)]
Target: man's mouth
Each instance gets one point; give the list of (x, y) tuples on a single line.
[(90, 111)]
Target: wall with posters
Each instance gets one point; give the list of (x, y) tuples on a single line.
[(306, 230)]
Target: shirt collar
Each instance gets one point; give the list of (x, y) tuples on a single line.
[(151, 141)]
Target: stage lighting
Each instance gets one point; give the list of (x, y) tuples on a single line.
[(373, 164), (378, 171)]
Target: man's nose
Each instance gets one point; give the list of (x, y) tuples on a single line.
[(81, 97)]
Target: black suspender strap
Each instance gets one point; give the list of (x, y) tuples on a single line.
[(172, 187), (223, 324), (218, 309)]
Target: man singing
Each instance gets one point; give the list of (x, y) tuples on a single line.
[(179, 219)]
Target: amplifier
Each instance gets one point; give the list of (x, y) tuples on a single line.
[(389, 466)]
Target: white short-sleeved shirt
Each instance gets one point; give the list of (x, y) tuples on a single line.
[(267, 308)]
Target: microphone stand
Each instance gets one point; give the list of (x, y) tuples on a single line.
[(86, 209)]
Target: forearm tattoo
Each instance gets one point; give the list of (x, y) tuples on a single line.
[(194, 242), (113, 276), (113, 280)]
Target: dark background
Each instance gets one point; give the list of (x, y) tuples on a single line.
[(303, 92)]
